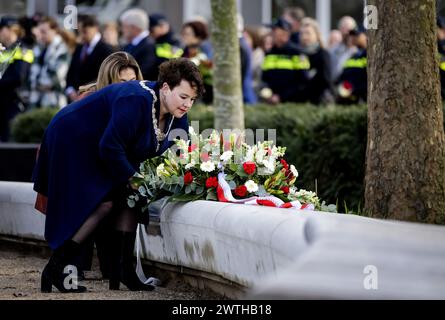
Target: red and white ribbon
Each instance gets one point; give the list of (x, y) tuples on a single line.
[(225, 195)]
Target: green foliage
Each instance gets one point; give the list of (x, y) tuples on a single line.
[(29, 127), (326, 144)]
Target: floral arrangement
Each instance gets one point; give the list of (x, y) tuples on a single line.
[(223, 169)]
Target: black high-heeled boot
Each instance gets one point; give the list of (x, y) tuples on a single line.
[(53, 273), (122, 267)]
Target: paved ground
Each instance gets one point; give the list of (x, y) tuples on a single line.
[(20, 280)]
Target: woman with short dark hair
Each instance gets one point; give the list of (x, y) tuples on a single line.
[(91, 150)]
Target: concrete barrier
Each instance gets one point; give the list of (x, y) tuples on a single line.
[(276, 253)]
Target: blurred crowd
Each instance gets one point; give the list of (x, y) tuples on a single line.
[(286, 61)]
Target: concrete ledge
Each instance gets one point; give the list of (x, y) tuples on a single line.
[(274, 253)]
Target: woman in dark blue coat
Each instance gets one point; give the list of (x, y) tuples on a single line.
[(89, 153)]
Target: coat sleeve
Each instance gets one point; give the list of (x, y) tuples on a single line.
[(128, 115)]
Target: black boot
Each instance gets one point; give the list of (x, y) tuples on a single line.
[(122, 267), (53, 273)]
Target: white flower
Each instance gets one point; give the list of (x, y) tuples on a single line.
[(251, 186), (294, 170), (259, 157), (250, 154), (207, 166), (270, 165), (190, 165), (226, 156), (161, 172)]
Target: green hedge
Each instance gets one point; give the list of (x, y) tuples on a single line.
[(29, 127)]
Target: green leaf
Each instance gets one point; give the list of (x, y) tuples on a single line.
[(211, 195)]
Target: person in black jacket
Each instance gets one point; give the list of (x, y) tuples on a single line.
[(167, 46), (15, 63), (284, 68), (320, 88), (87, 57), (353, 82), (140, 45)]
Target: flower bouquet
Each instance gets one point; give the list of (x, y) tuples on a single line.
[(223, 168)]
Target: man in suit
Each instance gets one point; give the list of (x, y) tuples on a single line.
[(140, 46), (87, 57)]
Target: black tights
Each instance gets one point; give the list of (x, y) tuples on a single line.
[(125, 220)]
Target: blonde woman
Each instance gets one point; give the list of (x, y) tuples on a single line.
[(320, 86), (117, 67)]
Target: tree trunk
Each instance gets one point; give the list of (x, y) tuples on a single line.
[(228, 101), (405, 165)]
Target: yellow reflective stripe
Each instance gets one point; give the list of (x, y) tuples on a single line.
[(28, 56), (285, 62), (167, 51), (301, 63), (356, 63), (18, 55)]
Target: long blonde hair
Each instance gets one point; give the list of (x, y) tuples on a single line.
[(309, 22), (110, 68)]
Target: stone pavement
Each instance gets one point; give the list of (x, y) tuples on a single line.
[(20, 280)]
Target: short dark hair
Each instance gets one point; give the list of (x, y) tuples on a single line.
[(88, 21), (199, 29), (175, 70)]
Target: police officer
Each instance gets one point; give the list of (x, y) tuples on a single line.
[(167, 46), (17, 62), (284, 68), (352, 86)]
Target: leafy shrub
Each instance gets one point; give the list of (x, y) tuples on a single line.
[(29, 126)]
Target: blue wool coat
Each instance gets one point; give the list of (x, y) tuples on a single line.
[(91, 147)]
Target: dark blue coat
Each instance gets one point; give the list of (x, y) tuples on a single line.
[(91, 147)]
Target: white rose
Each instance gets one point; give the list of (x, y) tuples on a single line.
[(226, 156), (251, 186), (294, 170), (207, 166)]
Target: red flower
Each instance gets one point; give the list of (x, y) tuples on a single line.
[(241, 191), (212, 182), (188, 178), (192, 148), (285, 189), (284, 163), (249, 167), (347, 85)]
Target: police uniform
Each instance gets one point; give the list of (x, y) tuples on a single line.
[(353, 82), (285, 72), (17, 62)]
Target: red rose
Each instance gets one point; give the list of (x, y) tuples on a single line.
[(188, 178), (241, 191), (285, 189), (284, 163), (192, 148), (249, 167), (212, 182)]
